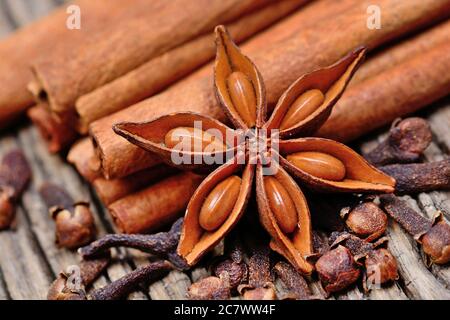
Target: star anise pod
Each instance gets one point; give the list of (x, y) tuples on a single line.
[(262, 150)]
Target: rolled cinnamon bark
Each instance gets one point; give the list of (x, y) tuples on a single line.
[(82, 156), (54, 131), (158, 73), (396, 92), (155, 206), (110, 191), (402, 51), (280, 64), (151, 28), (40, 39)]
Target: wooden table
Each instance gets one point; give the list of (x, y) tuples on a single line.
[(30, 261)]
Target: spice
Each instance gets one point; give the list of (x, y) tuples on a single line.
[(231, 266), (89, 270), (293, 281), (162, 244), (156, 205), (159, 72), (406, 142), (337, 269), (260, 281), (281, 204), (119, 158), (433, 235), (210, 288), (15, 174), (420, 177), (129, 282), (75, 225), (366, 220)]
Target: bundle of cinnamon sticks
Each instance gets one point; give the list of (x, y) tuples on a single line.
[(150, 62)]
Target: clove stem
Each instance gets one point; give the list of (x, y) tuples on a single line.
[(128, 283), (293, 281), (406, 142), (420, 177)]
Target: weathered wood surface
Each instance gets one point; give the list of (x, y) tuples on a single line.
[(29, 259)]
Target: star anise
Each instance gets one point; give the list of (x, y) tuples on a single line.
[(261, 150)]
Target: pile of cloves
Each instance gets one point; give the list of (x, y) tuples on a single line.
[(349, 241)]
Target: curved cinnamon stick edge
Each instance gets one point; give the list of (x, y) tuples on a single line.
[(15, 174), (419, 177), (406, 142), (434, 234), (162, 244), (90, 270), (128, 283)]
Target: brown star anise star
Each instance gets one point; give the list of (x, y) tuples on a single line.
[(221, 199)]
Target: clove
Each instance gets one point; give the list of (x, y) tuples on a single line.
[(406, 142), (15, 174), (162, 244), (75, 224), (293, 281), (419, 177), (210, 288), (122, 287), (433, 235), (232, 265), (260, 283), (70, 286), (337, 269), (366, 220)]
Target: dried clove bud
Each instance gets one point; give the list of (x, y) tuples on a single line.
[(406, 142), (232, 264), (260, 285), (162, 244), (75, 224), (293, 281), (414, 223), (381, 267), (88, 271), (367, 220), (435, 238), (210, 288), (15, 173), (128, 283), (337, 269), (420, 177), (436, 243)]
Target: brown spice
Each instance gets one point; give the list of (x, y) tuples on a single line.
[(420, 177), (381, 267), (293, 281), (89, 271), (75, 225), (162, 244), (210, 288), (128, 283), (433, 235), (15, 174), (260, 282), (406, 142), (367, 220), (337, 269)]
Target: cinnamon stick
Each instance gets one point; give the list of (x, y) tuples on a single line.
[(82, 156), (319, 45), (158, 73), (402, 51), (150, 29), (155, 206), (396, 92), (53, 130), (41, 38)]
